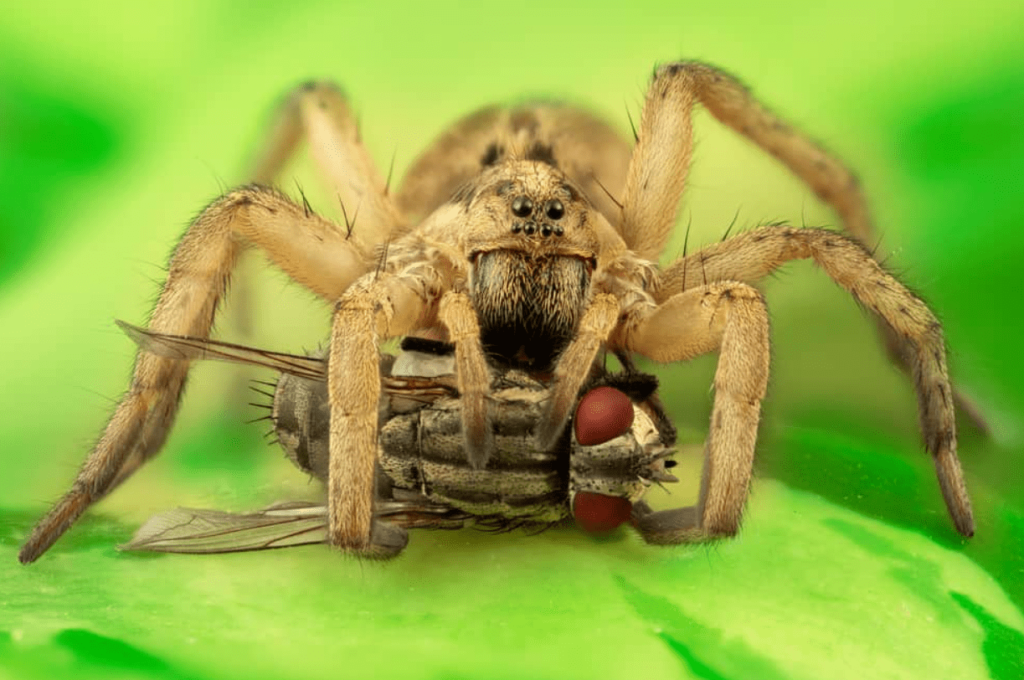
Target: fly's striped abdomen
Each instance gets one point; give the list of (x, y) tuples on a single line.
[(302, 422)]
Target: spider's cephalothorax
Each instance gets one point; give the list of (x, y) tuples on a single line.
[(530, 234)]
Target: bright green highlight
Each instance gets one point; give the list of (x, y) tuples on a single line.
[(460, 603)]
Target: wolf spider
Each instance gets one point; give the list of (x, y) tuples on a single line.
[(506, 238)]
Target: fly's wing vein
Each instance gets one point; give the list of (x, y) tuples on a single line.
[(194, 349), (192, 530)]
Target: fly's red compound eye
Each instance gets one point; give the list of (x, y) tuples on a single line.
[(604, 413), (599, 514)]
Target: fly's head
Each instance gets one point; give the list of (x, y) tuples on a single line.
[(620, 456)]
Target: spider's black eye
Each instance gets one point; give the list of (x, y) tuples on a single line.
[(522, 206), (554, 209)]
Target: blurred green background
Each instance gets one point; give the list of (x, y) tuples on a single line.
[(120, 120)]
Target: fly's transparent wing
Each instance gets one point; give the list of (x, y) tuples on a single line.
[(186, 347), (190, 530), (284, 525), (427, 386)]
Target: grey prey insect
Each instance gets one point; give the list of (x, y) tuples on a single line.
[(529, 237), (597, 476)]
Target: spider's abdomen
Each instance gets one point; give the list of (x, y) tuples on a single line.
[(528, 306)]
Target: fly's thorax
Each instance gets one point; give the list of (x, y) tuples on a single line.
[(528, 306)]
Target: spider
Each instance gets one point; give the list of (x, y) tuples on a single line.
[(528, 237)]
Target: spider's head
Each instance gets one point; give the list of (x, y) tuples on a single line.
[(534, 242), (527, 232), (529, 206)]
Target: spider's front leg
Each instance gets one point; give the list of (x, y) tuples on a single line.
[(654, 185), (732, 318), (457, 314), (377, 307), (661, 159), (753, 254), (307, 247), (658, 169), (320, 113)]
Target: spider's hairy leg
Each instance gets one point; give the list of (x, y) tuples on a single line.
[(657, 173), (732, 318), (373, 309), (320, 112), (753, 254), (453, 159), (573, 367), (658, 169), (306, 246), (456, 312)]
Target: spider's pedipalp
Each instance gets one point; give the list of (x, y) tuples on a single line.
[(458, 316), (573, 367)]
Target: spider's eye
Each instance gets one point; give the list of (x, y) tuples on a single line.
[(522, 206), (554, 209)]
